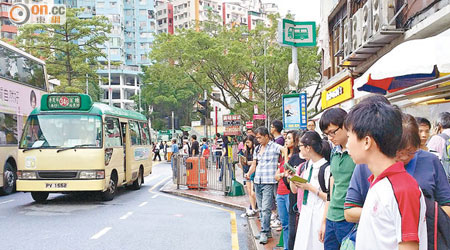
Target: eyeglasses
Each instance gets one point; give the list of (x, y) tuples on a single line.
[(332, 133), (301, 145)]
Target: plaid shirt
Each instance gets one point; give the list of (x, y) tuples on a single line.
[(267, 163)]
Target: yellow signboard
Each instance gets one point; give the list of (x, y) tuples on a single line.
[(338, 93)]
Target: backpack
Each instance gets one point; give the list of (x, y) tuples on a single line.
[(438, 225), (445, 158)]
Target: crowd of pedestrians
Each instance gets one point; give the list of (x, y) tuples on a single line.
[(366, 182)]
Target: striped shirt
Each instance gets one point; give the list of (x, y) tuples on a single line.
[(219, 143), (267, 163)]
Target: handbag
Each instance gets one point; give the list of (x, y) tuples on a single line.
[(348, 242)]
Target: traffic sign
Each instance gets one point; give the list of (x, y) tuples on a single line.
[(259, 117), (232, 124), (297, 34), (249, 124)]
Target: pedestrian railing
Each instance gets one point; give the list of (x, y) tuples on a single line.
[(198, 172)]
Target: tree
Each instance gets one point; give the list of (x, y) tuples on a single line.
[(231, 60), (71, 50)]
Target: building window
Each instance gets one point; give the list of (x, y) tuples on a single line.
[(129, 56), (142, 25), (143, 12), (114, 51), (113, 4), (142, 2), (100, 4), (143, 57)]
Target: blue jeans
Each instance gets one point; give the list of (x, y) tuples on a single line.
[(264, 199), (335, 231), (283, 212)]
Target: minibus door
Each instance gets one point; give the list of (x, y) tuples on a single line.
[(123, 126)]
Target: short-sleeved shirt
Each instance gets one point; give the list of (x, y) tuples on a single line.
[(341, 166), (195, 148), (174, 148), (426, 169), (267, 163), (279, 140), (437, 143), (394, 212)]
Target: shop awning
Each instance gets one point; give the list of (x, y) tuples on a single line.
[(408, 64)]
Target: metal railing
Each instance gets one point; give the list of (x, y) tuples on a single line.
[(198, 172)]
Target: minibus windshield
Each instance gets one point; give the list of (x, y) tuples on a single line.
[(61, 131)]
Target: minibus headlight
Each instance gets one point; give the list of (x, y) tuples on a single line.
[(92, 174), (26, 175)]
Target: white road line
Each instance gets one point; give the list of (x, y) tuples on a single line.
[(126, 216), (154, 196), (152, 177), (143, 204), (101, 233), (4, 202), (167, 183), (159, 183)]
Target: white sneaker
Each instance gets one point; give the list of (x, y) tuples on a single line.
[(275, 224), (273, 217)]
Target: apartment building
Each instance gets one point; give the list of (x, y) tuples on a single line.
[(8, 29)]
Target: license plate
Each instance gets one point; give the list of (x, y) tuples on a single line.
[(55, 185)]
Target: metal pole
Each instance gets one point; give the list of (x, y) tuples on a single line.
[(173, 124), (87, 81), (294, 55), (109, 75), (205, 96), (215, 117), (139, 97), (265, 85)]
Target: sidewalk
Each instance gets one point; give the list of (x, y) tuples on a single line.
[(237, 202)]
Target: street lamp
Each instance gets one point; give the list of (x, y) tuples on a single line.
[(265, 80), (109, 73)]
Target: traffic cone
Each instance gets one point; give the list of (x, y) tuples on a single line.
[(281, 242)]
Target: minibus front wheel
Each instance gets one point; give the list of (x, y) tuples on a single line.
[(39, 197), (110, 192)]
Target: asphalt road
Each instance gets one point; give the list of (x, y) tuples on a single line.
[(143, 219)]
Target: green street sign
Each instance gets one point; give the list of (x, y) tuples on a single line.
[(297, 34)]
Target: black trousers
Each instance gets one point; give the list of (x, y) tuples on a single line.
[(157, 154)]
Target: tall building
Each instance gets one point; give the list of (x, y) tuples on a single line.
[(8, 29), (131, 36), (173, 15)]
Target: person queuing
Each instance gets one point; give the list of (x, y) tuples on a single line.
[(297, 161), (265, 163), (283, 189), (424, 132), (311, 125), (424, 166), (437, 142), (246, 161), (334, 226), (393, 215), (275, 129), (317, 173), (195, 147)]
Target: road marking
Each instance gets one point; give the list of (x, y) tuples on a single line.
[(143, 204), (234, 234), (168, 182), (154, 196), (152, 177), (159, 183), (4, 202), (126, 216), (101, 233)]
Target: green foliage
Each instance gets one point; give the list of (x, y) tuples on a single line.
[(68, 59), (231, 61)]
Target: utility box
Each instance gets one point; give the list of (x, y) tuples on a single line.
[(194, 171)]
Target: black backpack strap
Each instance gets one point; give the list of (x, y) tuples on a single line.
[(322, 177)]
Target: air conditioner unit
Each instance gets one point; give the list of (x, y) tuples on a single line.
[(366, 21), (356, 30), (347, 37), (383, 11)]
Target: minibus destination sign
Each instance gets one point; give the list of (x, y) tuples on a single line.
[(64, 102)]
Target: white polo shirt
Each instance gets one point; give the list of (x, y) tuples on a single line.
[(393, 212)]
